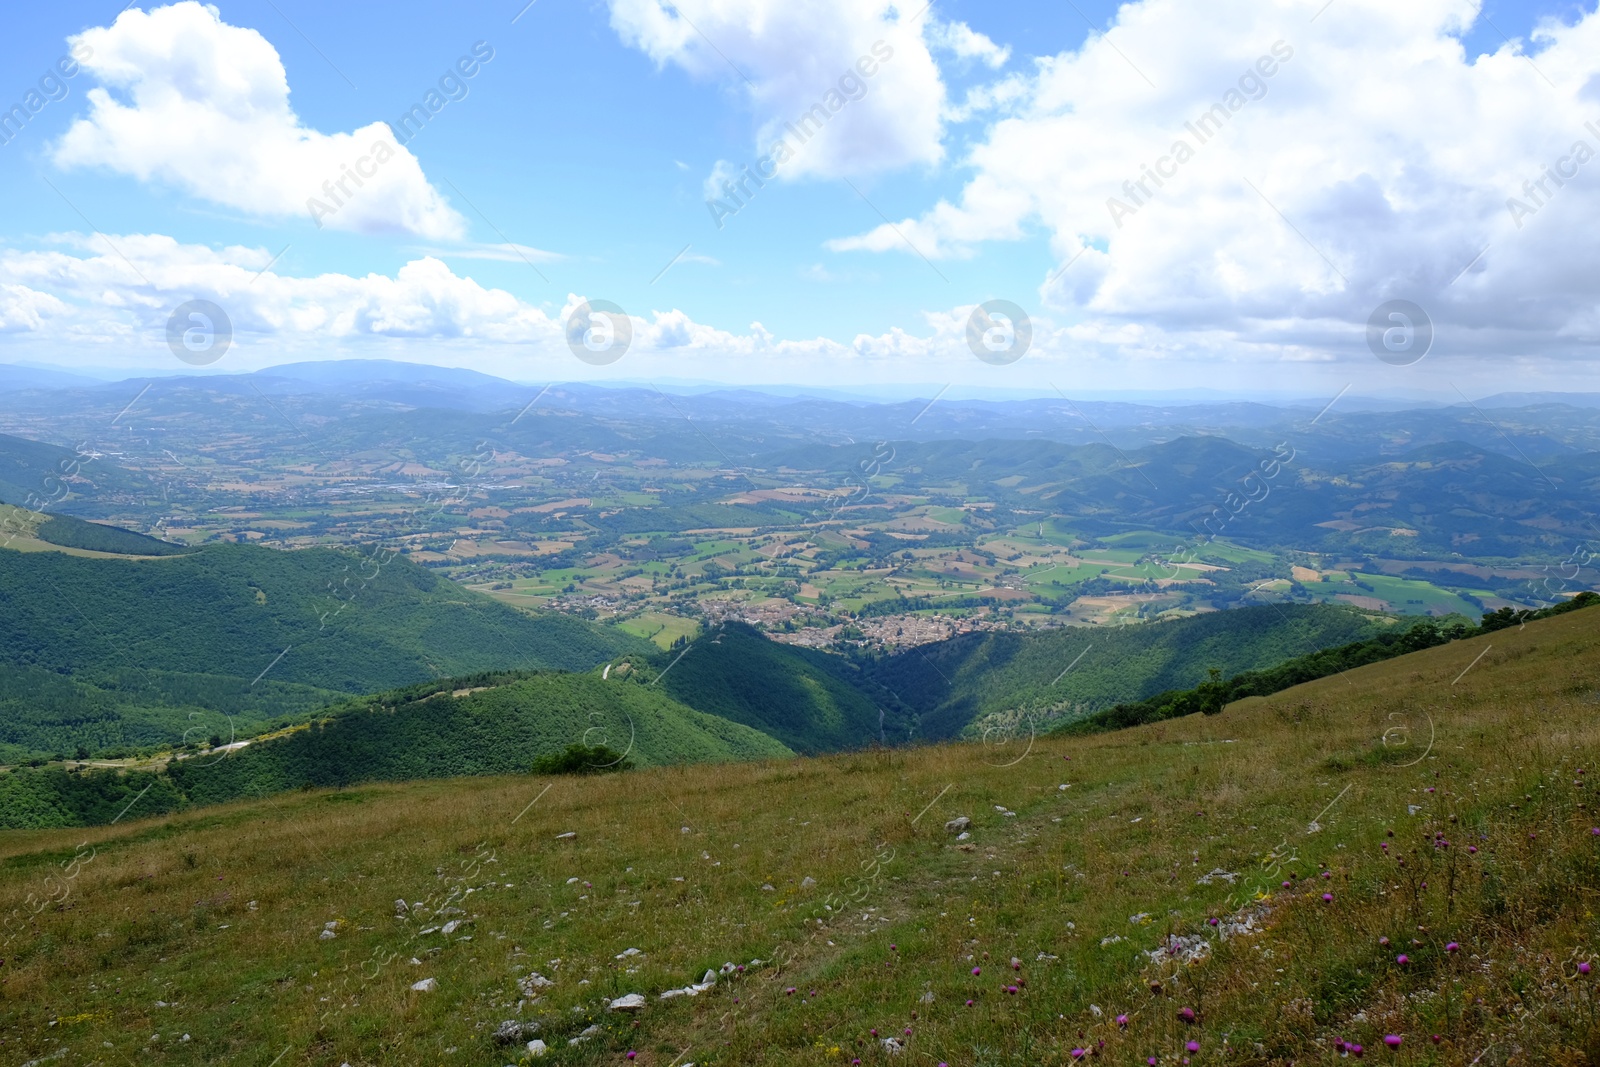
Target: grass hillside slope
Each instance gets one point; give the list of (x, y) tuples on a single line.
[(998, 681), (159, 647), (1401, 852), (811, 701)]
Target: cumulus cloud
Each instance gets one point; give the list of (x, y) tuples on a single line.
[(1235, 174), (116, 292), (807, 62), (102, 301), (963, 42), (192, 102)]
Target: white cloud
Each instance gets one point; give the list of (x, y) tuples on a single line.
[(115, 293), (80, 303), (1389, 152), (964, 42), (798, 58), (204, 106)]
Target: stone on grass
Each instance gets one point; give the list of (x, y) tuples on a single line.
[(629, 1002), (427, 985), (537, 1047)]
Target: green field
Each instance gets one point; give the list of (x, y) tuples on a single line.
[(660, 628)]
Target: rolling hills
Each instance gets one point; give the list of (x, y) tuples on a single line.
[(224, 638), (491, 724), (1404, 851)]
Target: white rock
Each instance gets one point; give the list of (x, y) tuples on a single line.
[(963, 836), (537, 1047), (709, 978), (630, 1002), (807, 882), (427, 985), (532, 984), (729, 968), (957, 825), (400, 907), (326, 935), (568, 836), (625, 953), (892, 1046)]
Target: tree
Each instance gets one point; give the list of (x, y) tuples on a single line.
[(583, 759)]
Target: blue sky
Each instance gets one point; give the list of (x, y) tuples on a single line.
[(590, 136)]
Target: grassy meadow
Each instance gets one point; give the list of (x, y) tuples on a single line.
[(1404, 851)]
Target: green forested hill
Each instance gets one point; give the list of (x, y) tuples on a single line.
[(496, 725), (1067, 674), (100, 652), (811, 701), (500, 729)]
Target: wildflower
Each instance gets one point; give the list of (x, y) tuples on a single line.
[(1193, 1046), (1392, 1040), (1011, 989), (1583, 968), (1402, 959), (1595, 831), (1452, 947), (632, 1055), (977, 971), (1079, 1053), (1473, 849), (1383, 940), (1122, 1021), (1437, 1038), (1186, 1014), (969, 1003), (1212, 921), (1328, 897)]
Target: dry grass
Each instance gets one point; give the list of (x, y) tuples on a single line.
[(218, 913)]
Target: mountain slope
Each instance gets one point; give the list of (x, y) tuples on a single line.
[(811, 701), (238, 617), (1066, 674), (837, 874), (498, 729)]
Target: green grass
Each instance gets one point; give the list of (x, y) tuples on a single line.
[(217, 914), (1405, 596), (660, 628)]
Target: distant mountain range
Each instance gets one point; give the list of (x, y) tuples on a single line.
[(337, 405)]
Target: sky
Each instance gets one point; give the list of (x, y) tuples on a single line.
[(1258, 196)]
